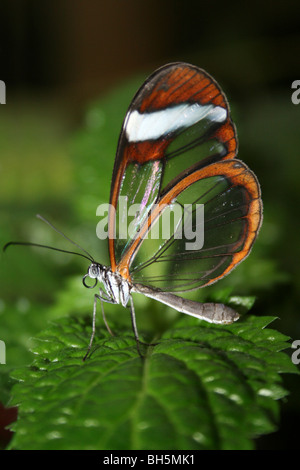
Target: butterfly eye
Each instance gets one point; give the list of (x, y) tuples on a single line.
[(93, 271)]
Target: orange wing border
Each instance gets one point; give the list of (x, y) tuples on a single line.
[(238, 174)]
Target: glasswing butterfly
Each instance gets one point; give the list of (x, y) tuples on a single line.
[(178, 144)]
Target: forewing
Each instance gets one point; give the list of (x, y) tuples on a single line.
[(178, 121)]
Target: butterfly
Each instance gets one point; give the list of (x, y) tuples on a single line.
[(178, 144), (177, 149)]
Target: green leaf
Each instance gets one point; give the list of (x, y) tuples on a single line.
[(4, 385), (201, 387)]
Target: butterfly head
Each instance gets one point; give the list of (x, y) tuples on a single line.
[(95, 271)]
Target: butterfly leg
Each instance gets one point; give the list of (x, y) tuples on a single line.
[(135, 330), (98, 297), (104, 317), (93, 328), (105, 298), (134, 327)]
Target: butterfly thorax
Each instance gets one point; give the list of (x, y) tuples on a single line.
[(115, 289)]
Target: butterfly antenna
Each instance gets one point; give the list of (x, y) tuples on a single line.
[(65, 236), (45, 246)]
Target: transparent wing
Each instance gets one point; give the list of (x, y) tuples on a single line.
[(219, 213), (178, 120)]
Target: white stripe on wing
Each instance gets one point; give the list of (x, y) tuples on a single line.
[(151, 126)]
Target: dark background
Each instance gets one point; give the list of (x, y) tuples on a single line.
[(58, 57)]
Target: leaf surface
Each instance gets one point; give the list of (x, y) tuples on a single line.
[(201, 387)]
